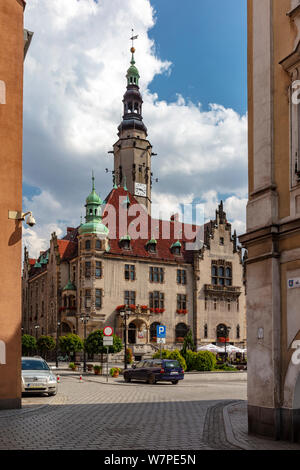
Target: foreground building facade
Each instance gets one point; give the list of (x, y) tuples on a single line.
[(122, 256), (273, 219), (14, 43)]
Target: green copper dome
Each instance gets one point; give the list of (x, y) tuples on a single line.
[(176, 244), (93, 197), (133, 73), (93, 220)]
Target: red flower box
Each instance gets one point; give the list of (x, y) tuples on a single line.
[(120, 307), (182, 311)]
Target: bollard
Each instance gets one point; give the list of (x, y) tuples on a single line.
[(58, 379), (80, 379)]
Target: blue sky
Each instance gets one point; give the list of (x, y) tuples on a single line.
[(206, 40)]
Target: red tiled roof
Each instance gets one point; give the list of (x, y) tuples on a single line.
[(67, 249), (141, 221)]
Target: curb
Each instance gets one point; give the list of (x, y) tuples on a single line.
[(229, 430)]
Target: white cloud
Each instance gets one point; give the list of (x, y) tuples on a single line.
[(74, 83)]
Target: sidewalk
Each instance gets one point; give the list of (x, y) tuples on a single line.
[(236, 428)]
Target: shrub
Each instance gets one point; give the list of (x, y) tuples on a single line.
[(175, 355), (129, 356), (28, 345), (164, 354), (178, 357), (190, 358), (72, 366), (114, 370), (205, 361)]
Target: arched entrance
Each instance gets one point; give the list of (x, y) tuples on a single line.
[(131, 332), (153, 332)]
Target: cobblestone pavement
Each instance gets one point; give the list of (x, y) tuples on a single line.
[(94, 414)]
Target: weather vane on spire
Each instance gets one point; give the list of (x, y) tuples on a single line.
[(133, 38)]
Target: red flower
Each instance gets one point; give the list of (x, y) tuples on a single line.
[(120, 307)]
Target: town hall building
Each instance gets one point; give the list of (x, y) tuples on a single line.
[(122, 258)]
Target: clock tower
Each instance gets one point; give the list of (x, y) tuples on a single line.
[(133, 151)]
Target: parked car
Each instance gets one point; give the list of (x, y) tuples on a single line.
[(155, 370), (37, 377)]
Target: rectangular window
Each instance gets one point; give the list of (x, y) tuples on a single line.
[(129, 272), (73, 273), (156, 274), (87, 269), (87, 301), (129, 297), (181, 301), (98, 270), (156, 299), (181, 276), (98, 298)]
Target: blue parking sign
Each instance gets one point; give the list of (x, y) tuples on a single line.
[(161, 331)]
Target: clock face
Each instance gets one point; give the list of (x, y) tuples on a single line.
[(140, 189)]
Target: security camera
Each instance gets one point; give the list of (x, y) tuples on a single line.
[(30, 220)]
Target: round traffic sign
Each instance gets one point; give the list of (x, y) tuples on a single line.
[(108, 331)]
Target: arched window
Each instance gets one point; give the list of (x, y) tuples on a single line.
[(88, 244), (153, 331), (181, 331)]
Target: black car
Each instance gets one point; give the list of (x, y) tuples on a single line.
[(155, 370)]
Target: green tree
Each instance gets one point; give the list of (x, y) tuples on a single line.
[(70, 343), (188, 343), (94, 344), (28, 345), (45, 344)]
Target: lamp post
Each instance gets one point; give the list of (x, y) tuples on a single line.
[(125, 315), (226, 331), (84, 318), (57, 333), (36, 330)]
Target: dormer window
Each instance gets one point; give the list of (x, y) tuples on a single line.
[(125, 242), (151, 245), (176, 248)]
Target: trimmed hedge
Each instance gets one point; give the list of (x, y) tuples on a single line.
[(175, 355), (200, 361)]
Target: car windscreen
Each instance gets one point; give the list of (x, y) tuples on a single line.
[(29, 364), (172, 364)]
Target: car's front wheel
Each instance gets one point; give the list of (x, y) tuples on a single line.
[(174, 382), (51, 394), (127, 378)]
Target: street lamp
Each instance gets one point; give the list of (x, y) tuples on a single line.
[(226, 331), (36, 330), (84, 318), (125, 315), (57, 333)]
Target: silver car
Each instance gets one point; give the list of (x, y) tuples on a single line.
[(37, 377)]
